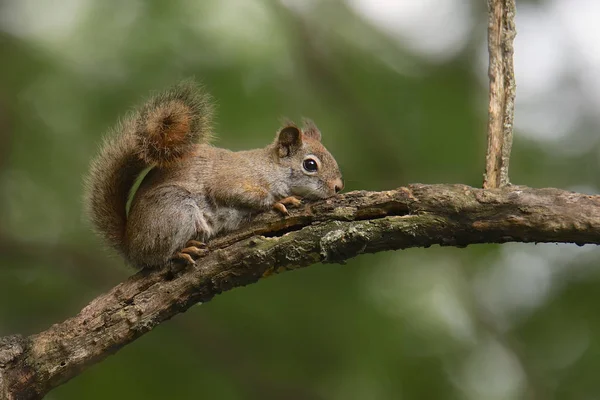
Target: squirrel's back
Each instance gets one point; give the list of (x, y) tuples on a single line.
[(164, 131)]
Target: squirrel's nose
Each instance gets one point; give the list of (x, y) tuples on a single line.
[(338, 185)]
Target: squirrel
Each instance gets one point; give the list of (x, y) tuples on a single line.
[(193, 190)]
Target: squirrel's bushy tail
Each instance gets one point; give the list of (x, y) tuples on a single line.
[(162, 132)]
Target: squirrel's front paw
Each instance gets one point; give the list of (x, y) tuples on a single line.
[(191, 252), (291, 201)]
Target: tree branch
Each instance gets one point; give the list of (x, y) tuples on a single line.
[(331, 230), (501, 34)]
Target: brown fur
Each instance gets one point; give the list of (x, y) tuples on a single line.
[(310, 129), (143, 139), (172, 122), (196, 190), (166, 130)]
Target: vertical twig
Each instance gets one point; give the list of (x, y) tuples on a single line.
[(501, 33)]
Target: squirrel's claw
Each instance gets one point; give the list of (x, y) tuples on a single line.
[(281, 208), (291, 201), (186, 258), (195, 243), (191, 252), (194, 251)]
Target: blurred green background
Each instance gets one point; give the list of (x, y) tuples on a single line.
[(399, 90)]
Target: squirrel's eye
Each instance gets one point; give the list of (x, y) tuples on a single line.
[(310, 165)]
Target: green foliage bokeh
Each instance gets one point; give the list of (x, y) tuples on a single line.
[(412, 324)]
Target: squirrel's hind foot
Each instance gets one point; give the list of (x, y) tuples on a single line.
[(191, 252), (185, 258), (196, 243)]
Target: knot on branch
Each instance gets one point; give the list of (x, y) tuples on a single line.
[(341, 244), (11, 347)]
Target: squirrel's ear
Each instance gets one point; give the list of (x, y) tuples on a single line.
[(310, 129), (289, 140)]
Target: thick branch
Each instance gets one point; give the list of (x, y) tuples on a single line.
[(501, 34), (332, 230)]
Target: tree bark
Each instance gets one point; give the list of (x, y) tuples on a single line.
[(329, 231), (501, 34)]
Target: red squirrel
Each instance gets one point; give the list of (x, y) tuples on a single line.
[(193, 190)]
